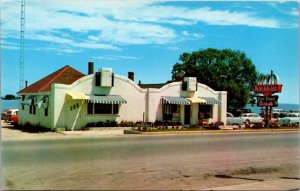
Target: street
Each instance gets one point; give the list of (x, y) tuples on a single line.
[(150, 161)]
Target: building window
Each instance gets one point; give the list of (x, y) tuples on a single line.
[(23, 97), (46, 111), (184, 86), (98, 108), (103, 108), (205, 111), (90, 108), (116, 109), (171, 112), (32, 109), (23, 107)]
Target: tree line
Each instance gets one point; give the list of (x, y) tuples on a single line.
[(9, 97)]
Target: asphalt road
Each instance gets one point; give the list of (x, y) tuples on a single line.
[(150, 162)]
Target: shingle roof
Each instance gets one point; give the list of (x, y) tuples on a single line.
[(66, 75)]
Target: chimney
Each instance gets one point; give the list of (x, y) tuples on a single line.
[(91, 68), (26, 83), (131, 75)]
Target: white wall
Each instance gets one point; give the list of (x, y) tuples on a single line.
[(133, 110), (142, 104), (35, 119), (174, 89)]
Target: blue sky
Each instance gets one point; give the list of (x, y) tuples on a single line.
[(147, 37)]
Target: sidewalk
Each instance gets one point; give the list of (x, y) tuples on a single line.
[(275, 184), (97, 132)]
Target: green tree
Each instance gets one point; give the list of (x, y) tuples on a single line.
[(9, 97), (222, 70)]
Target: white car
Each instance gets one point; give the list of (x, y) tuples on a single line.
[(251, 118), (231, 120), (289, 119)]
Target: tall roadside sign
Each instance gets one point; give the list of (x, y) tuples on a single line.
[(266, 86)]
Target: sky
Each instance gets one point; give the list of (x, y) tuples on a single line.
[(147, 37)]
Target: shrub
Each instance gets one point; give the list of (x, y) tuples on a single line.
[(106, 123), (37, 128), (127, 124)]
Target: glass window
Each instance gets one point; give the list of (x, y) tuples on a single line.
[(116, 109), (184, 86), (205, 111), (170, 111), (90, 108), (103, 108), (97, 108), (46, 111), (33, 109)]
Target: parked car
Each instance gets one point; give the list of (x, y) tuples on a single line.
[(290, 119), (3, 114), (252, 118), (14, 119), (238, 112), (11, 115), (231, 120)]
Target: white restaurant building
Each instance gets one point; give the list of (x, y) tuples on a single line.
[(68, 99)]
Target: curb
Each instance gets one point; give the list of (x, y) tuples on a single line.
[(220, 131)]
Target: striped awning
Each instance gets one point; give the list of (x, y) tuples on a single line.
[(29, 100), (107, 99), (44, 100), (175, 100), (211, 100), (196, 100)]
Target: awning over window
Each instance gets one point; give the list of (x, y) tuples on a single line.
[(76, 95), (43, 101), (175, 100), (108, 99), (211, 100), (29, 100), (196, 100)]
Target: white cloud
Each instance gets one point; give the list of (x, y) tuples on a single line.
[(192, 35), (58, 50), (294, 12), (116, 57), (185, 33), (108, 24)]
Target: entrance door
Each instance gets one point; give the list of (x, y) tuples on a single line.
[(187, 114)]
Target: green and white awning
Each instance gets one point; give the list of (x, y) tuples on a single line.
[(175, 100), (30, 100), (107, 99), (211, 100), (44, 101)]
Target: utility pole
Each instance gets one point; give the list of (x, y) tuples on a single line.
[(22, 31)]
